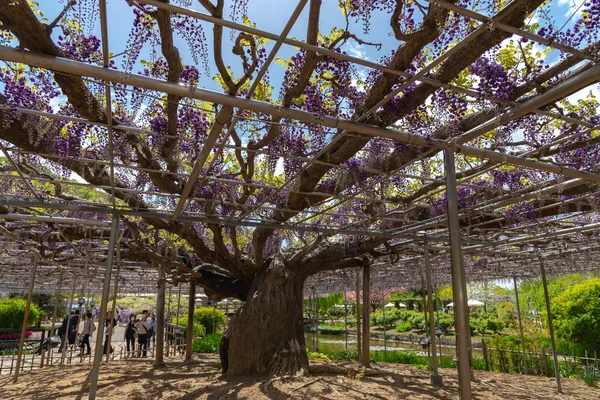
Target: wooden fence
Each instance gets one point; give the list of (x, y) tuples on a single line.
[(537, 362)]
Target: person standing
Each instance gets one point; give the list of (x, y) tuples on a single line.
[(152, 332), (130, 335), (109, 320), (88, 330), (142, 328), (73, 327)]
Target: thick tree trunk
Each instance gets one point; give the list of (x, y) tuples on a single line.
[(266, 335)]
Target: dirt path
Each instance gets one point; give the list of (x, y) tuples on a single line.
[(137, 379)]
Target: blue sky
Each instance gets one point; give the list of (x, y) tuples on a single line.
[(272, 16)]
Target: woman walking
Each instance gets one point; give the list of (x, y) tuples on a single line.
[(88, 330)]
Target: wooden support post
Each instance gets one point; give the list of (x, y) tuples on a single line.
[(160, 318), (114, 303), (366, 314), (520, 324), (358, 326), (459, 292), (66, 338), (26, 317), (485, 354), (189, 340), (550, 325), (55, 313), (435, 378), (112, 243)]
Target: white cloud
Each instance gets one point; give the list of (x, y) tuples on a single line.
[(355, 50), (583, 94), (574, 8)]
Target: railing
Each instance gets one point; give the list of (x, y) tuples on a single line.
[(36, 356), (538, 362)]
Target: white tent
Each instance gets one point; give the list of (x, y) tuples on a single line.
[(470, 303), (392, 305)]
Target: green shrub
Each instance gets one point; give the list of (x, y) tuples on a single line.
[(208, 344), (576, 314), (507, 313), (207, 315), (199, 330), (403, 327), (12, 312), (391, 319), (494, 325), (477, 326), (417, 321), (446, 323)]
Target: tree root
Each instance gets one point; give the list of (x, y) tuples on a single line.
[(306, 384), (338, 370)]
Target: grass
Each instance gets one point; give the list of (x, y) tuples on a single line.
[(392, 357), (588, 375)]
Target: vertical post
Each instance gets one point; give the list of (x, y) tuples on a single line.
[(114, 230), (160, 318), (42, 352), (461, 317), (189, 339), (520, 324), (66, 339), (26, 317), (383, 317), (54, 314), (425, 321), (178, 303), (346, 320), (550, 325), (366, 314), (114, 303), (485, 356), (317, 318), (358, 335), (436, 378), (169, 305), (437, 315)]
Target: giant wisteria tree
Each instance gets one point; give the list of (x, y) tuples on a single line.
[(277, 170)]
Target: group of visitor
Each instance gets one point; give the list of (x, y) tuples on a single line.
[(145, 330), (142, 328)]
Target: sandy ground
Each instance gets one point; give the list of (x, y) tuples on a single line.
[(137, 379)]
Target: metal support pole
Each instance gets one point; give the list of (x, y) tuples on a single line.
[(160, 318), (177, 314), (169, 304), (114, 303), (366, 314), (383, 315), (437, 315), (358, 335), (346, 319), (550, 326), (55, 313), (461, 317), (66, 338), (520, 324), (26, 317), (189, 339), (435, 378), (103, 305), (317, 317)]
